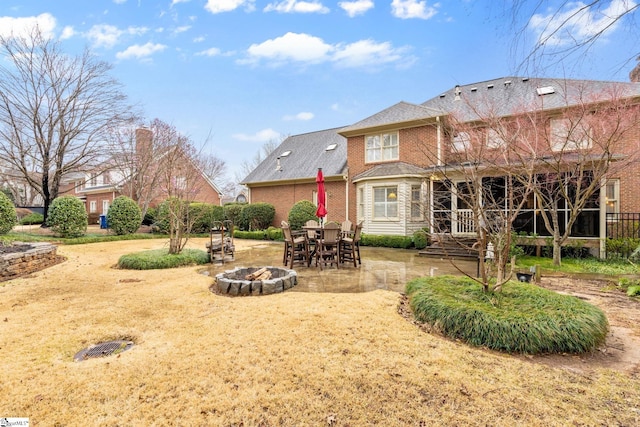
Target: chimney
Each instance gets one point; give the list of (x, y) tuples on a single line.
[(144, 141)]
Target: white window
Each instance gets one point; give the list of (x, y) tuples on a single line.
[(385, 202), (93, 180), (181, 183), (382, 147), (461, 141), (105, 206), (612, 194), (314, 199), (93, 206), (416, 202), (360, 203), (569, 136), (494, 139)]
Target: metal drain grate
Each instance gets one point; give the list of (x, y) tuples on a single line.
[(103, 349)]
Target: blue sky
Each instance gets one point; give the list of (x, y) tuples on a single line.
[(238, 73)]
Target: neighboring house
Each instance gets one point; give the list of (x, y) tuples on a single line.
[(384, 170), (99, 189), (23, 194)]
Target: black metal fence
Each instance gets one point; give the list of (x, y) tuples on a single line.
[(623, 235), (623, 225)]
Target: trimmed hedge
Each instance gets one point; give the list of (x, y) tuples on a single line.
[(233, 212), (403, 242), (522, 318), (67, 217), (32, 218), (204, 215), (8, 218), (124, 216), (258, 216)]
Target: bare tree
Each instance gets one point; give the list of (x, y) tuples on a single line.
[(582, 147), (247, 166), (567, 29), (478, 192), (55, 111)]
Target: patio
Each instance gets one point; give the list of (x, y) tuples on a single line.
[(382, 268)]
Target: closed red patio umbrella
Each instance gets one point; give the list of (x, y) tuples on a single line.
[(321, 212)]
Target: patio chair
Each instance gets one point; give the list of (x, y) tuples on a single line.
[(296, 246), (328, 246), (345, 228), (350, 247)]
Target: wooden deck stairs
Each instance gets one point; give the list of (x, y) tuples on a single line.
[(450, 248)]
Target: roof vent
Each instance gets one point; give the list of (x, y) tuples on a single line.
[(507, 83), (546, 90), (442, 95), (331, 147), (457, 92), (525, 79), (474, 89), (490, 86)]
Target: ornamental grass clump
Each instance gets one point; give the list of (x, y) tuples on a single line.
[(522, 318), (161, 258)]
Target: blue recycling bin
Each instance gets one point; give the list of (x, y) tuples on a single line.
[(103, 222)]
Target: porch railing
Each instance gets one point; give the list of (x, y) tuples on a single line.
[(465, 223), (623, 225)]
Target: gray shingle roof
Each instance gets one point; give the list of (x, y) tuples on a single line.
[(387, 170), (513, 95), (308, 153), (402, 112)]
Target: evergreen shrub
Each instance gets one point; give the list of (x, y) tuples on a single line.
[(124, 216), (8, 218), (67, 217)]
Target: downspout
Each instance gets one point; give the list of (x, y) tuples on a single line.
[(438, 141), (346, 194), (603, 219)]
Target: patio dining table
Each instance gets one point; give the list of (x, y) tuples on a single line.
[(318, 231)]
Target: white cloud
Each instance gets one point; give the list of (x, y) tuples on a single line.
[(104, 35), (108, 35), (119, 1), (296, 6), (406, 9), (367, 52), (303, 116), (140, 51), (219, 6), (22, 27), (306, 49), (174, 2), (578, 22), (182, 29), (264, 135), (67, 33), (214, 51), (199, 39), (358, 7), (292, 47)]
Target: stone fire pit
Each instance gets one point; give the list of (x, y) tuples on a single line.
[(234, 282)]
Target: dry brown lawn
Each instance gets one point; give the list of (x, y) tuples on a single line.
[(291, 359)]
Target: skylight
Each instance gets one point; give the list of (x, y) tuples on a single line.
[(331, 147), (286, 153), (546, 90)]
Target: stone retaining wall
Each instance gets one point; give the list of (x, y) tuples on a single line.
[(39, 256)]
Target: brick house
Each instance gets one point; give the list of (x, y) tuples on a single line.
[(381, 171), (98, 189)]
